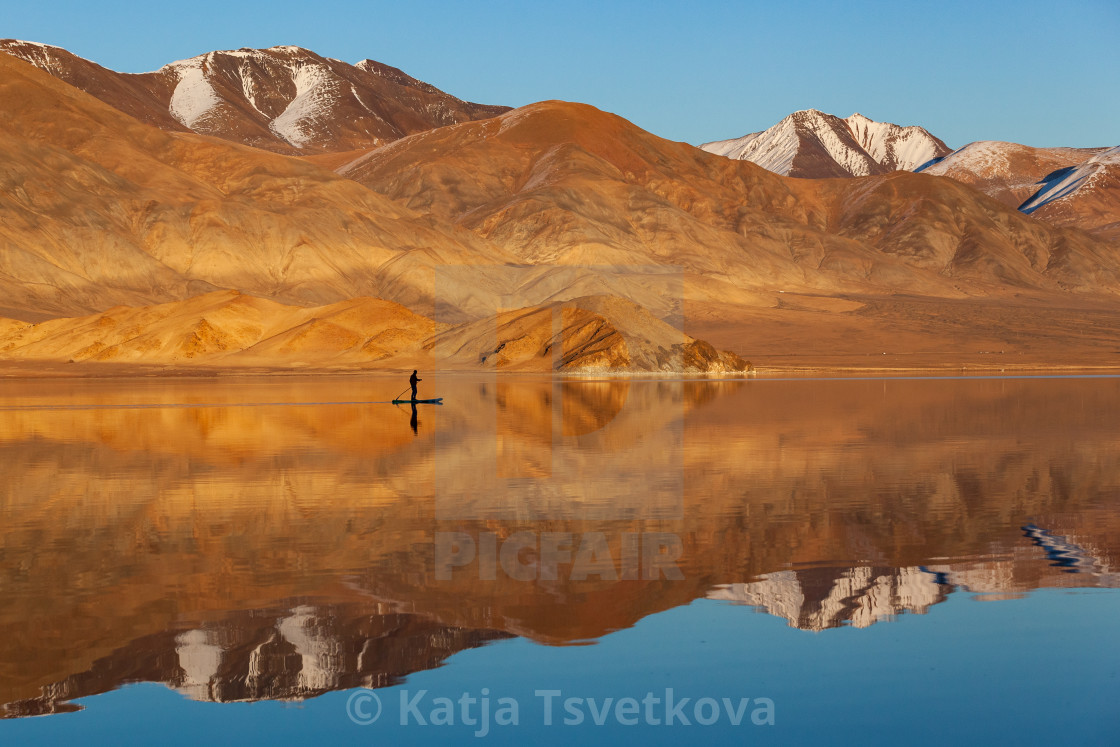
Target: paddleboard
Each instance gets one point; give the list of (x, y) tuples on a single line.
[(436, 401)]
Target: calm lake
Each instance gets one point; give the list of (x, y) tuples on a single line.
[(542, 561)]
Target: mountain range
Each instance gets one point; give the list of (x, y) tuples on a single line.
[(1063, 186), (264, 172)]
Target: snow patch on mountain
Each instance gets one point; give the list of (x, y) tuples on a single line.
[(320, 653), (857, 596), (200, 659), (776, 148), (854, 160), (1068, 181), (278, 98), (905, 148), (311, 100), (40, 45), (1042, 175), (871, 135), (772, 149), (43, 56), (983, 158), (194, 96)]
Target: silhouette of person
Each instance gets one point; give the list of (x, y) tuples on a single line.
[(412, 380), (413, 422)]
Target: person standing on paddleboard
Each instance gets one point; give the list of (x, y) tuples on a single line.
[(412, 380)]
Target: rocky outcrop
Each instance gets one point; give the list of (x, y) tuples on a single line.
[(228, 329)]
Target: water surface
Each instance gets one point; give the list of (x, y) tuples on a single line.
[(930, 559)]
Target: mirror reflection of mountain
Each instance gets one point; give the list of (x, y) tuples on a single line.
[(286, 653), (195, 545)]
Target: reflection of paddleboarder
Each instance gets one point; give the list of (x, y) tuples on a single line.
[(413, 422), (412, 381)]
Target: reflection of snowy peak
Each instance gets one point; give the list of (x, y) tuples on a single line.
[(822, 598), (286, 99), (309, 651), (814, 144), (275, 654), (819, 598)]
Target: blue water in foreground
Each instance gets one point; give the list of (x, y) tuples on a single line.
[(1043, 669)]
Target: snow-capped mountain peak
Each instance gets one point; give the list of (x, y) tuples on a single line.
[(811, 143), (284, 98)]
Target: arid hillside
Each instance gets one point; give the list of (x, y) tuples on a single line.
[(530, 209), (101, 210), (566, 183)]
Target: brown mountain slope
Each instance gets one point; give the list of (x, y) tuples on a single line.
[(284, 99), (220, 325), (100, 210), (597, 333), (560, 182)]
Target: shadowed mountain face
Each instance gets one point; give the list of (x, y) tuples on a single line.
[(235, 550), (283, 99)]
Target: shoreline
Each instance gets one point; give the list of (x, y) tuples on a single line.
[(64, 372)]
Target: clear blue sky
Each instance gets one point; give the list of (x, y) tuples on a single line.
[(1040, 73)]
